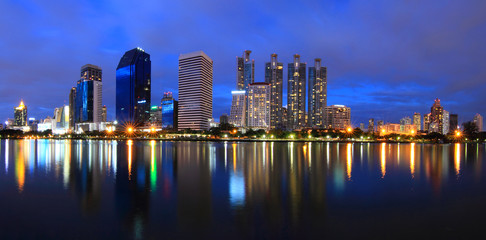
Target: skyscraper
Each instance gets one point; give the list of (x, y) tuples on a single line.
[(436, 117), (195, 91), (88, 104), (371, 125), (416, 121), (238, 106), (338, 117), (259, 105), (72, 107), (296, 94), (404, 122), (245, 72), (133, 76), (20, 115), (478, 120), (169, 111), (317, 99), (274, 76), (445, 122)]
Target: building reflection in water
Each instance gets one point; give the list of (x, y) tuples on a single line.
[(383, 159), (279, 183)]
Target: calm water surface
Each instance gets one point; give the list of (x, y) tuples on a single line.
[(154, 189)]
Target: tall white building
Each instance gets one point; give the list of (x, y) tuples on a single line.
[(195, 91), (238, 106), (478, 120), (337, 117), (445, 122), (259, 105)]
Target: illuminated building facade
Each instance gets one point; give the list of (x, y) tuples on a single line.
[(238, 106), (88, 104), (195, 91), (169, 111), (133, 87), (371, 125), (417, 121), (296, 92), (436, 117), (20, 115), (259, 105), (274, 76), (445, 122), (317, 99), (405, 121), (337, 117)]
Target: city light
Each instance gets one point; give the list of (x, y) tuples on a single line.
[(349, 129), (458, 133), (130, 130)]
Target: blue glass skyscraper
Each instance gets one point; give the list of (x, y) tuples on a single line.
[(169, 111), (133, 90), (88, 95)]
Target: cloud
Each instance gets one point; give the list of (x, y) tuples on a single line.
[(384, 58)]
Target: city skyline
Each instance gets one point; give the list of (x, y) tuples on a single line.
[(378, 85)]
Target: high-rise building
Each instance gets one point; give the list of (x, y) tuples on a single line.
[(380, 124), (426, 122), (445, 122), (195, 91), (337, 117), (20, 115), (245, 72), (453, 123), (478, 120), (296, 94), (416, 121), (274, 76), (133, 77), (72, 107), (238, 106), (371, 125), (436, 117), (88, 105), (104, 113), (284, 116), (259, 105), (361, 126), (317, 99), (170, 109), (403, 122)]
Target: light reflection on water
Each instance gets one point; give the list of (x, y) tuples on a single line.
[(246, 187)]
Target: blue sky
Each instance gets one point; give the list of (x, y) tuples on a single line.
[(385, 59)]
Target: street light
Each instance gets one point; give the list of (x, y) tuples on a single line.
[(349, 129), (130, 130)]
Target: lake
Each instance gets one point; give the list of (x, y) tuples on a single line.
[(96, 189)]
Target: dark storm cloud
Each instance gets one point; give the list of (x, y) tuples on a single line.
[(385, 59)]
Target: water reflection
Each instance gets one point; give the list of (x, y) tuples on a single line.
[(155, 186)]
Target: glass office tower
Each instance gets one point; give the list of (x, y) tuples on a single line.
[(133, 90), (169, 111), (88, 95)]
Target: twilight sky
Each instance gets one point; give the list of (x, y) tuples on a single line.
[(386, 59)]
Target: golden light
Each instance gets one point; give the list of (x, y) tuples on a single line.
[(349, 129), (130, 130), (152, 129), (383, 130), (413, 131), (458, 133)]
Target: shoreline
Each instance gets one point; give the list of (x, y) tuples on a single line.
[(237, 140)]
